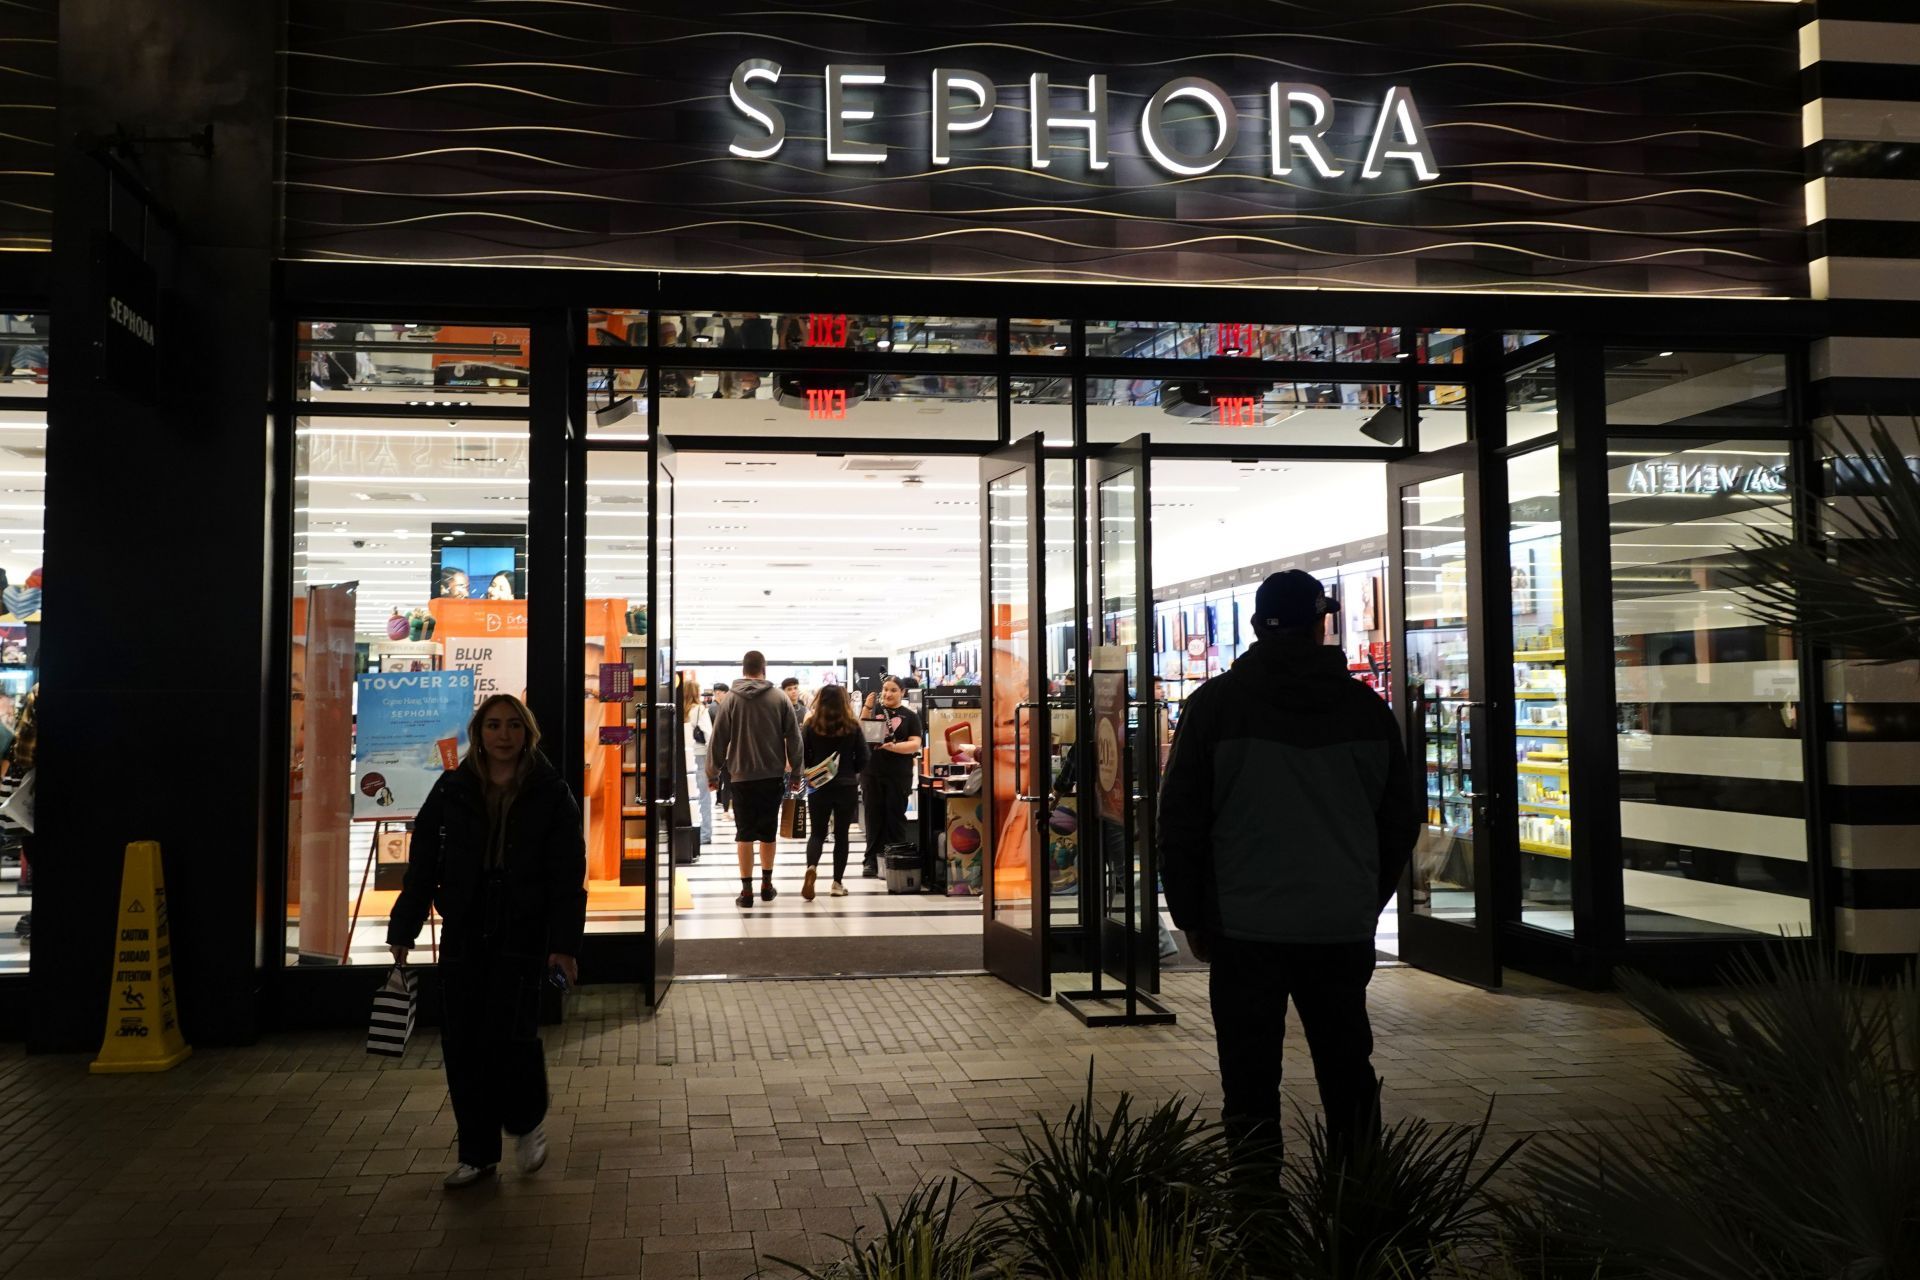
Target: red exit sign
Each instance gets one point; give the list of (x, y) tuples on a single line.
[(827, 403), (1237, 411), (1233, 339), (826, 330)]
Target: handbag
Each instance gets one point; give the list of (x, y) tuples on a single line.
[(396, 1005)]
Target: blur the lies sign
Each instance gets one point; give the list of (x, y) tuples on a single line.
[(1298, 117)]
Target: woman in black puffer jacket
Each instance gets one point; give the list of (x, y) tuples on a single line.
[(497, 848)]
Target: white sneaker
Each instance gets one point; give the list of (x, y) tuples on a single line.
[(530, 1149), (837, 891), (466, 1175)]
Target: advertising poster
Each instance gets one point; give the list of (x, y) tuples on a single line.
[(413, 728), (487, 638), (1109, 743)]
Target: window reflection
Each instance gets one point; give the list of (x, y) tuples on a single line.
[(1154, 340)]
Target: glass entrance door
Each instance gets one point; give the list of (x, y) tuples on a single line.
[(665, 768), (1014, 705), (1444, 700), (1124, 777)]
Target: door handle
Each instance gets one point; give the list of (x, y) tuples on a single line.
[(1019, 772)]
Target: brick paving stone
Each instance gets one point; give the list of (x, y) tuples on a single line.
[(746, 1120)]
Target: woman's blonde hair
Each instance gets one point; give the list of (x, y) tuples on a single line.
[(689, 697), (832, 714), (476, 750)]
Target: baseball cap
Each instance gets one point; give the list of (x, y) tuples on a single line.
[(1290, 600)]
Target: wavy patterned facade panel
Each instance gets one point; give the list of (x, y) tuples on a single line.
[(27, 74), (1586, 145)]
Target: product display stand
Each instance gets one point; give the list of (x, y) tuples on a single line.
[(1125, 1005)]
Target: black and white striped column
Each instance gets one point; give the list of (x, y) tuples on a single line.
[(1860, 64)]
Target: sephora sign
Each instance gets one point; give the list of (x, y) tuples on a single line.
[(1298, 117)]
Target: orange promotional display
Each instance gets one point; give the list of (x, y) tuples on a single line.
[(322, 748), (486, 637), (143, 1022)]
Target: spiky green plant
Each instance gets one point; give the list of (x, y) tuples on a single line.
[(1795, 1151), (919, 1241), (1864, 598), (1068, 1189), (1153, 1249), (1391, 1211)]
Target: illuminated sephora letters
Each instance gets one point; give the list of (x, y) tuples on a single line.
[(1298, 117)]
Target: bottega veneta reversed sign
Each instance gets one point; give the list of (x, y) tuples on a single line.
[(1559, 146)]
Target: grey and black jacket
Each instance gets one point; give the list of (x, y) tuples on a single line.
[(755, 735), (1287, 812)]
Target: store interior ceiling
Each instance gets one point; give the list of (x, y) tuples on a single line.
[(804, 556)]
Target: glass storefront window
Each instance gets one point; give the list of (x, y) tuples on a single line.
[(616, 328), (417, 366), (1166, 340), (1719, 391), (1237, 411), (1512, 342), (1533, 403), (409, 605), (829, 331), (615, 629), (1434, 589), (1712, 792), (1441, 346), (1443, 415), (1038, 337), (25, 344), (836, 405), (1541, 769)]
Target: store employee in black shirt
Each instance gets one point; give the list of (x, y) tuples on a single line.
[(891, 772)]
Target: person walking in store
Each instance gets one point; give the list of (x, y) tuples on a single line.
[(791, 687), (756, 739), (697, 726), (832, 731), (497, 848), (889, 779), (1287, 815)]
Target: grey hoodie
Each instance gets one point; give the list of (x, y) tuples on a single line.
[(756, 734)]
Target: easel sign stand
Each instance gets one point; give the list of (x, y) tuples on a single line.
[(1112, 780)]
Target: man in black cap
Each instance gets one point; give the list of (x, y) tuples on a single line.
[(1286, 817)]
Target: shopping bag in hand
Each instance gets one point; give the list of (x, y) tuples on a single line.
[(395, 1005)]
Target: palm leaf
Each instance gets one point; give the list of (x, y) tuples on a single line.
[(1860, 593)]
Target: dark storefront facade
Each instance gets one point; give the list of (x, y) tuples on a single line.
[(1592, 282)]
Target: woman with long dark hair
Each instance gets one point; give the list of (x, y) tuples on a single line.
[(832, 731), (497, 847)]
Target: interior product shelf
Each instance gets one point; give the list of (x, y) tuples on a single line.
[(1540, 655), (1538, 731), (1547, 810), (1546, 850), (1547, 695), (1541, 766)]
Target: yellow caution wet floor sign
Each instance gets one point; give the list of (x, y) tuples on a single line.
[(143, 1022)]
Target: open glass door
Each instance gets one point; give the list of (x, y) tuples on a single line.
[(1014, 702), (665, 769), (1123, 587), (1443, 698)]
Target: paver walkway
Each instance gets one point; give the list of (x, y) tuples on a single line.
[(749, 1119)]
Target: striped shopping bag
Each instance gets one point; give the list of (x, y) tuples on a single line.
[(395, 1005)]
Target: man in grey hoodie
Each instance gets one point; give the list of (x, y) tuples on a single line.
[(756, 739)]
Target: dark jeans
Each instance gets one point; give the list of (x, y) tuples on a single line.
[(1251, 983), (496, 1070), (839, 804), (886, 811)]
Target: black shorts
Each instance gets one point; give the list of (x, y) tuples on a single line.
[(756, 809)]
